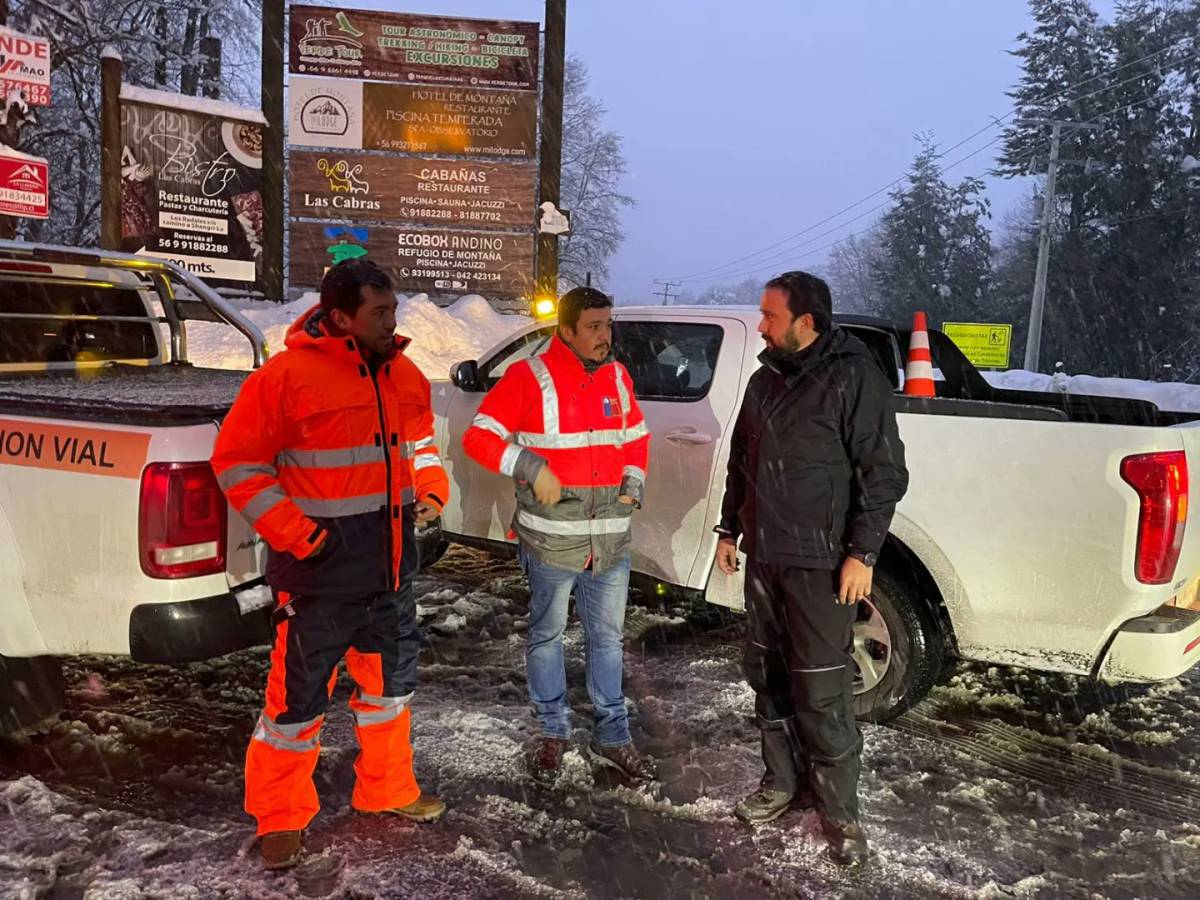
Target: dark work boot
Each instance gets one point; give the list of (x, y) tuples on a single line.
[(545, 758), (847, 843), (777, 789), (633, 765)]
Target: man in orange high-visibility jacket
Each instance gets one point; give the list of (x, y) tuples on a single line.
[(567, 428), (329, 453)]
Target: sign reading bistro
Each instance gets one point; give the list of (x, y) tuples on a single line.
[(361, 187), (433, 261), (190, 186), (383, 46)]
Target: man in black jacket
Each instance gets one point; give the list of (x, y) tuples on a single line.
[(816, 469)]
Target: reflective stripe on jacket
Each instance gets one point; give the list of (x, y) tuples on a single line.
[(589, 429), (317, 447)]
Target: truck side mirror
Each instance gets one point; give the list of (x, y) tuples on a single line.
[(465, 376)]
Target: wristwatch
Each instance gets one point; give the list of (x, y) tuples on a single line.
[(866, 557)]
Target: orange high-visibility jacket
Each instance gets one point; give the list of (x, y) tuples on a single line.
[(317, 447), (589, 429)]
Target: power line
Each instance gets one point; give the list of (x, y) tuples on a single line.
[(993, 124), (790, 252)]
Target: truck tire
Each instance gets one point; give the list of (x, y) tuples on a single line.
[(32, 693), (898, 642)]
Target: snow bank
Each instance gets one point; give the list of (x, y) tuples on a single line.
[(186, 103), (441, 336), (1166, 395)]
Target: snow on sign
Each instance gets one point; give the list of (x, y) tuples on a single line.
[(24, 185), (986, 346), (25, 66)]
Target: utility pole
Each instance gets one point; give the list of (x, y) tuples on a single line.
[(272, 157), (550, 154), (1033, 343), (1037, 306), (665, 293)]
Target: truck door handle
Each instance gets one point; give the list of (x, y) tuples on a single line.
[(688, 436)]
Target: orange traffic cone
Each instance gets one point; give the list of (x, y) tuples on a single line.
[(918, 374)]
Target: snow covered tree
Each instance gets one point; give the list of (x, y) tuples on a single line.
[(160, 41), (935, 250), (852, 273), (746, 292), (593, 164), (1120, 295)]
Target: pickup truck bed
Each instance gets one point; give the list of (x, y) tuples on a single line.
[(126, 395)]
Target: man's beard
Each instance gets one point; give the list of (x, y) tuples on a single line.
[(790, 344)]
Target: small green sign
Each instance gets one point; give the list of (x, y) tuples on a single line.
[(987, 346)]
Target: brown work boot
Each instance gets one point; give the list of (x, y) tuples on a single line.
[(763, 806), (545, 758), (847, 843), (280, 849), (626, 759), (426, 808)]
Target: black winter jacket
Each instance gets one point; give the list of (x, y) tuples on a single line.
[(816, 465)]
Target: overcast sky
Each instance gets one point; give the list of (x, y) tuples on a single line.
[(748, 122)]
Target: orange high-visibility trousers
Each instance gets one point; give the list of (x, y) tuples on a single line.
[(377, 637)]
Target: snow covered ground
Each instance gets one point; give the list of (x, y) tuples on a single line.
[(442, 335), (1005, 783)]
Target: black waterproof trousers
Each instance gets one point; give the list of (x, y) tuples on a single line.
[(798, 662)]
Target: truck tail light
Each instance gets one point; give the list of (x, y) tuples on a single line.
[(1161, 480), (182, 521)]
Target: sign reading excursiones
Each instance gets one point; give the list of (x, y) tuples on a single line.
[(382, 46)]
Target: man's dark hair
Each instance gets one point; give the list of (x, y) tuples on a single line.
[(806, 294), (576, 300), (341, 286)]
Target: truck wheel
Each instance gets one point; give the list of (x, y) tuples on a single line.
[(32, 693), (898, 650)]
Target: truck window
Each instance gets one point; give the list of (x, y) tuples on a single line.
[(526, 346), (64, 322), (883, 347), (671, 361)]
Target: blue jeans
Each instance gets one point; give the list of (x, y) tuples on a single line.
[(600, 600)]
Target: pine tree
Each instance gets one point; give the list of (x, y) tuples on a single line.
[(935, 249), (1119, 296)]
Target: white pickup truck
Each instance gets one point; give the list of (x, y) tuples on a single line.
[(1040, 530), (114, 536)]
